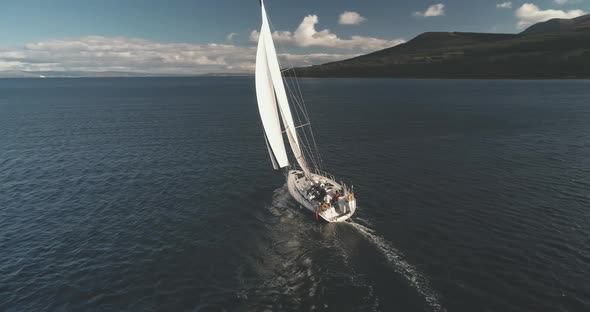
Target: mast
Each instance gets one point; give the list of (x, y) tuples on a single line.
[(268, 62)]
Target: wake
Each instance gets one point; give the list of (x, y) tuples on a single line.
[(403, 268), (416, 279)]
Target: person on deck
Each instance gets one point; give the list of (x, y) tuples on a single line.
[(321, 192), (336, 197)]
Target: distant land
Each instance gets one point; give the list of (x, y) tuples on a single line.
[(70, 74), (557, 48), (101, 74)]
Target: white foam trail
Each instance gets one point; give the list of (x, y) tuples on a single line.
[(280, 200), (364, 221), (395, 258)]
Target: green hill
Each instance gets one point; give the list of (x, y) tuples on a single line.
[(556, 48)]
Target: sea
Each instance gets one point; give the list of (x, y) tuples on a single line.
[(157, 194)]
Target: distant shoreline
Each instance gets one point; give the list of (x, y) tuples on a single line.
[(75, 74), (110, 77), (313, 77)]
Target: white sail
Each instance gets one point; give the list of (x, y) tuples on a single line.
[(267, 107), (316, 191), (273, 159), (279, 88)]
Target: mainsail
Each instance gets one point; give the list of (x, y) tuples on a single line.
[(270, 91), (267, 107)]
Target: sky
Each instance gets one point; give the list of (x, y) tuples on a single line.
[(216, 36)]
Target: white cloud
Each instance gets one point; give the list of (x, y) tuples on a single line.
[(307, 36), (254, 35), (97, 53), (562, 2), (351, 18), (504, 5), (529, 14), (230, 37), (433, 10)]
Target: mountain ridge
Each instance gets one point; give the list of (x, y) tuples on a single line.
[(557, 48)]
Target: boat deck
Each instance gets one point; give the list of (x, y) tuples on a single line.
[(337, 211)]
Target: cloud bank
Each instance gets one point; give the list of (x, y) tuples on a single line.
[(529, 14), (98, 53), (124, 54), (306, 36), (504, 5)]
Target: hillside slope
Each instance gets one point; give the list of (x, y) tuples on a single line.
[(552, 49)]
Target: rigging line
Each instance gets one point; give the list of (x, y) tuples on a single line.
[(317, 154), (303, 149), (305, 108), (312, 149), (319, 163), (307, 145), (297, 127), (307, 149), (305, 137), (291, 67), (299, 90), (305, 141), (315, 145), (301, 103)]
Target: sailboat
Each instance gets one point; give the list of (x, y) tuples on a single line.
[(309, 185)]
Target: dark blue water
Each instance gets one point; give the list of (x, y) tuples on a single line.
[(158, 195)]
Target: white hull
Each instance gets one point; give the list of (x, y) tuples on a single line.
[(336, 211)]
